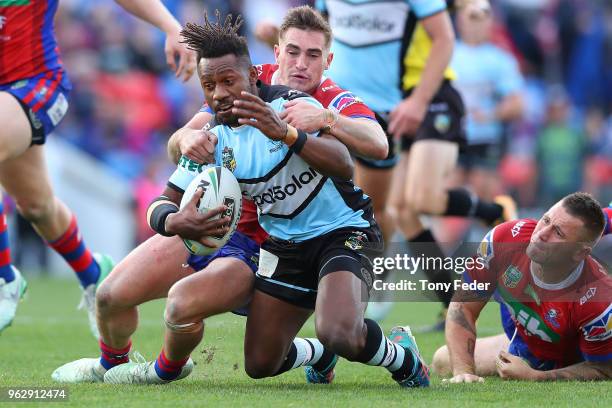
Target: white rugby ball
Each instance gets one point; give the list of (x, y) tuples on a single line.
[(220, 188)]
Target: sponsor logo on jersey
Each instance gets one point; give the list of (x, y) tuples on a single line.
[(551, 317), (259, 69), (442, 122), (327, 88), (189, 165), (600, 328), (227, 158), (343, 100), (517, 228), (589, 294), (276, 145), (356, 240), (293, 94), (528, 318), (512, 277), (280, 193)]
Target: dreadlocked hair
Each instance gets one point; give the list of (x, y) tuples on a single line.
[(213, 40)]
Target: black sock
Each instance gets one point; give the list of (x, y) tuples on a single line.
[(307, 352), (460, 203), (488, 211), (380, 351), (426, 245)]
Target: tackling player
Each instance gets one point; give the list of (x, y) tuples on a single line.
[(555, 299), (34, 91)]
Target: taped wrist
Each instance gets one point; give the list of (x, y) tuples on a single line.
[(157, 213)]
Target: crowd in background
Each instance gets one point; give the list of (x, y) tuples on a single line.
[(125, 103)]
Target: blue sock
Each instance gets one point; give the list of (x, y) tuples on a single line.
[(6, 271)]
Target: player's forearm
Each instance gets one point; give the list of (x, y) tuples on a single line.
[(153, 12), (362, 136), (585, 371), (510, 108), (329, 156), (460, 335), (439, 57)]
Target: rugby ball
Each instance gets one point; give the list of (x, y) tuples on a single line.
[(220, 188)]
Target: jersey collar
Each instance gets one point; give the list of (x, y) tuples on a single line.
[(565, 283)]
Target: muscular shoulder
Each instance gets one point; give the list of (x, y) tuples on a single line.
[(501, 238)]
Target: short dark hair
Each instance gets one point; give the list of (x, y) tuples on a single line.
[(213, 40), (584, 206), (306, 18)]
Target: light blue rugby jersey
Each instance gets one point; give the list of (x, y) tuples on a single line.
[(484, 84), (294, 201), (367, 44)]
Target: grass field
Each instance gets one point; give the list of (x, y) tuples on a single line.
[(49, 332)]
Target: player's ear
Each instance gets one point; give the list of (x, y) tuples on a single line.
[(276, 52), (253, 76), (328, 60), (582, 252)]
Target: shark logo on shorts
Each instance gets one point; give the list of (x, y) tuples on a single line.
[(442, 122), (227, 157), (356, 240)]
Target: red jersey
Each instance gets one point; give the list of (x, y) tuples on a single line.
[(27, 41), (567, 322), (328, 94), (248, 224)]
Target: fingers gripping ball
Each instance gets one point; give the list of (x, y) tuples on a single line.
[(220, 189)]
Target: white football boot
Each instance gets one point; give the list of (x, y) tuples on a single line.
[(141, 372), (88, 301), (10, 295), (85, 370)]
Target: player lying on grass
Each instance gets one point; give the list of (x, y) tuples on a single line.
[(555, 300)]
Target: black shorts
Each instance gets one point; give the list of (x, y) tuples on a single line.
[(444, 120), (482, 156), (392, 157), (291, 271)]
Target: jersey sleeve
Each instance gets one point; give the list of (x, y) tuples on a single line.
[(596, 332), (426, 8), (479, 271), (510, 78), (347, 104), (186, 170)]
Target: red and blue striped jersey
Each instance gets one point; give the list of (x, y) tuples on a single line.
[(27, 42)]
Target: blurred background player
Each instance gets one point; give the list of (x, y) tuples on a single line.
[(34, 91), (555, 301), (491, 86)]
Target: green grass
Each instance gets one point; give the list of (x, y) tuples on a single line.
[(49, 332)]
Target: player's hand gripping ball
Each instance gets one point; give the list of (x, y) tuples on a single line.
[(220, 189)]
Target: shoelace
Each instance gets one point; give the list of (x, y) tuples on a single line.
[(87, 299), (142, 366)]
